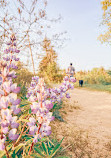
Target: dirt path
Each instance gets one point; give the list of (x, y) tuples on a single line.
[(95, 114), (89, 111)]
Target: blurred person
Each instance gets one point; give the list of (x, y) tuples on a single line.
[(71, 70)]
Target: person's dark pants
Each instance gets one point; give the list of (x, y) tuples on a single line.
[(80, 83)]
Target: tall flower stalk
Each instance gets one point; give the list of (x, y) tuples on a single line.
[(9, 103), (39, 123), (42, 101)]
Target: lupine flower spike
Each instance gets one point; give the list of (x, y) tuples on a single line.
[(9, 103)]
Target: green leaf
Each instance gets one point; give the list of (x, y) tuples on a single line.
[(45, 148), (4, 157), (29, 111), (24, 102), (22, 105), (39, 151), (51, 143), (14, 155), (56, 148), (23, 120), (36, 155), (62, 157), (27, 137), (29, 141), (17, 148), (56, 114), (54, 105), (23, 116), (43, 139), (26, 149)]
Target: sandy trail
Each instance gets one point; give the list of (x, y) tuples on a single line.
[(95, 114), (94, 117)]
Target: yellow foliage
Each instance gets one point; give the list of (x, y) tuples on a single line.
[(106, 6), (95, 76), (48, 67), (24, 76)]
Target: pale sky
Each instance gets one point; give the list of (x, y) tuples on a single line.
[(81, 19)]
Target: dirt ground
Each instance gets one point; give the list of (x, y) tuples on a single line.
[(87, 126)]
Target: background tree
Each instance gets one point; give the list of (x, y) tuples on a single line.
[(48, 67), (25, 19), (106, 36), (28, 19)]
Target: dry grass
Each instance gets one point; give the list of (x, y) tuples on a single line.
[(70, 105), (77, 143)]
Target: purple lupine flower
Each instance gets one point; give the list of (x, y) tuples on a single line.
[(15, 109), (14, 124), (1, 80), (32, 98), (4, 101), (12, 74), (6, 58), (10, 58), (16, 90), (38, 92), (9, 43), (6, 51), (33, 130), (31, 122), (34, 107), (5, 123), (6, 114), (16, 101), (13, 38), (36, 138), (42, 101), (13, 87), (12, 134), (16, 59), (66, 78), (9, 103), (73, 79), (14, 44), (17, 51), (5, 130), (48, 133), (67, 95), (1, 92), (12, 97), (49, 104), (13, 66), (5, 72), (7, 86)]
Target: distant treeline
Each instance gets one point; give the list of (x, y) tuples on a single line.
[(95, 76)]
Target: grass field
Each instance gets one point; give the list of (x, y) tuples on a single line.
[(99, 87)]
